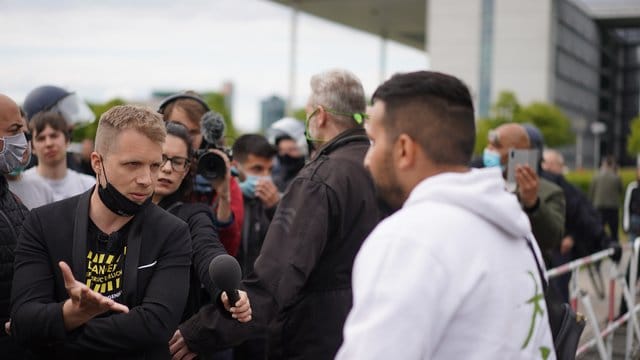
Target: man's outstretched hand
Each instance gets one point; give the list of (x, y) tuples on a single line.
[(83, 303)]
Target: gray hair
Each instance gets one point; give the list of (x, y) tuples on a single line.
[(339, 91)]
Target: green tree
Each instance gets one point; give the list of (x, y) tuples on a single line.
[(216, 102), (552, 122), (633, 139), (88, 131), (482, 132), (506, 107), (300, 114)]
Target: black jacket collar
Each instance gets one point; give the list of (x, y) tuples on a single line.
[(356, 134)]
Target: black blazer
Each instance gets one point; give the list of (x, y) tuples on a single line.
[(155, 284)]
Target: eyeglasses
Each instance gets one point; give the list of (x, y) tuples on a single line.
[(178, 163), (312, 113), (494, 138), (357, 117)]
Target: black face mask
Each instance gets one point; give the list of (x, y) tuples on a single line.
[(290, 164), (115, 201)]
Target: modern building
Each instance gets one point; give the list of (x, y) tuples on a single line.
[(272, 109), (582, 55)]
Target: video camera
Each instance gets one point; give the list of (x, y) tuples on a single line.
[(211, 165)]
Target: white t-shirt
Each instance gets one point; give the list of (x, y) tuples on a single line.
[(72, 184), (450, 276), (33, 191)]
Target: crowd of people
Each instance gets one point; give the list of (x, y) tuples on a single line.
[(381, 239)]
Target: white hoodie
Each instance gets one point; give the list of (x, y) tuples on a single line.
[(449, 276)]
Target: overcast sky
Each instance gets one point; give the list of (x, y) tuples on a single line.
[(103, 49)]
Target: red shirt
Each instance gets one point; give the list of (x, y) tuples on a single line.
[(230, 235)]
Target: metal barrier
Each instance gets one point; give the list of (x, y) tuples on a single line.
[(605, 350)]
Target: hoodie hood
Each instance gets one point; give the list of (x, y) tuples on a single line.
[(480, 191)]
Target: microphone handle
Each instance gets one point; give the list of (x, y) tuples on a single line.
[(233, 296)]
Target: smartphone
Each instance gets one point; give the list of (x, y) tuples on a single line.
[(520, 157)]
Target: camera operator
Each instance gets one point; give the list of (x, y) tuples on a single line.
[(213, 183)]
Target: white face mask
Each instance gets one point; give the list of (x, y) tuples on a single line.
[(12, 156)]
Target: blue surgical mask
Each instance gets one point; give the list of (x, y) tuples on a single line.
[(491, 158), (248, 186)]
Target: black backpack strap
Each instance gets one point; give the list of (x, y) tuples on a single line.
[(542, 277)]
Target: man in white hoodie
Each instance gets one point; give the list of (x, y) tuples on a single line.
[(450, 274)]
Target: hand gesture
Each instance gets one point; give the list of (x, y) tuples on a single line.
[(527, 181), (566, 245), (83, 303), (179, 349), (267, 192), (241, 309)]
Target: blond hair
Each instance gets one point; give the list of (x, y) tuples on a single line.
[(123, 117)]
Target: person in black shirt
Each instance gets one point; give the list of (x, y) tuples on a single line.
[(170, 194), (115, 288)]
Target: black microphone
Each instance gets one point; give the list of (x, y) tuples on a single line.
[(225, 273), (212, 127)]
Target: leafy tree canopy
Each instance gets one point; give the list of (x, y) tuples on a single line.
[(633, 139), (552, 122)]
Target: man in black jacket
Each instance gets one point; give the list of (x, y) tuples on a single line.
[(105, 274), (301, 284), (14, 153), (253, 160)]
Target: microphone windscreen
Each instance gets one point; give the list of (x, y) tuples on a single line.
[(212, 127), (225, 272)]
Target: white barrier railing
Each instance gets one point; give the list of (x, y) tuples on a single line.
[(629, 293), (589, 259)]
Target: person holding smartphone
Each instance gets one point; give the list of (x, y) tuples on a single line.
[(542, 200)]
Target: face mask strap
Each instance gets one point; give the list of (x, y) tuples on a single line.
[(104, 172)]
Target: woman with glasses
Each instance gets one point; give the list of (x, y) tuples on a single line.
[(172, 186)]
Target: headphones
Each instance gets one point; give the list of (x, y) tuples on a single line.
[(172, 98)]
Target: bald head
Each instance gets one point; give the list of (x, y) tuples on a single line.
[(508, 136), (513, 136), (553, 162), (8, 107), (10, 117)]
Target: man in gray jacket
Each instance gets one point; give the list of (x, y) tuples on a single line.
[(605, 192)]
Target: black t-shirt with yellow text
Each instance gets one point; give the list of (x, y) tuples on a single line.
[(105, 260)]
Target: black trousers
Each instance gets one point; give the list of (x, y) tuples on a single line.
[(610, 218)]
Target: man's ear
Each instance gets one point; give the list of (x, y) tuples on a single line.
[(404, 151), (241, 175), (96, 163), (322, 116)]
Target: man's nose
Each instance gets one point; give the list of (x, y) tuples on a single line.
[(146, 177)]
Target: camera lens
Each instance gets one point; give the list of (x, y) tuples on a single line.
[(211, 166)]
